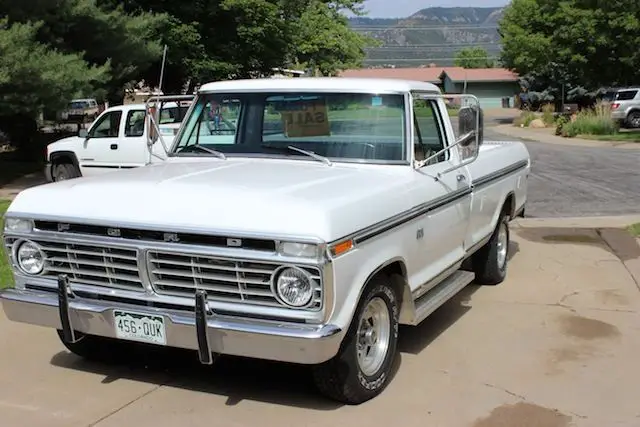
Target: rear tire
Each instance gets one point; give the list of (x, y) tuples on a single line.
[(64, 171), (362, 368), (633, 120), (490, 262)]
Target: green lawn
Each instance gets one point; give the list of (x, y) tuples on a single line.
[(617, 137), (5, 271), (634, 229)]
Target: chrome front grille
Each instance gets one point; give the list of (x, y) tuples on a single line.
[(223, 279), (97, 265)]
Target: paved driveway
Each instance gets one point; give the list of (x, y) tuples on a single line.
[(571, 181), (556, 345)]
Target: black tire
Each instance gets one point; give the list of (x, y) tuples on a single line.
[(342, 377), (490, 262), (64, 171), (90, 347), (633, 120)]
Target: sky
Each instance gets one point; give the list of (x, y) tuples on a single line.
[(404, 8)]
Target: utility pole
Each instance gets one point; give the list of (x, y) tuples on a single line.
[(164, 57)]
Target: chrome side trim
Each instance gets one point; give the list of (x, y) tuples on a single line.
[(501, 173), (397, 220)]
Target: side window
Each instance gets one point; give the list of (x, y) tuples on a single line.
[(107, 126), (428, 137), (135, 123)]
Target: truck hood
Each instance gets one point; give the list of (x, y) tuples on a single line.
[(264, 196), (70, 142)]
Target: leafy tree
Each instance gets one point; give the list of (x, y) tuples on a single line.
[(128, 43), (220, 39), (579, 43), (34, 77), (324, 41), (473, 57)]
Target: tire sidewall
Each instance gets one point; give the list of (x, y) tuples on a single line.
[(502, 223), (63, 168), (374, 384)]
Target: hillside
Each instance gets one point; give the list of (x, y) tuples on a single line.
[(431, 35)]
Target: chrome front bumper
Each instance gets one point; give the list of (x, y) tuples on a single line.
[(202, 330)]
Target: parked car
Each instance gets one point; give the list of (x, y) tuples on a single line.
[(625, 106), (117, 140), (333, 210), (82, 110)]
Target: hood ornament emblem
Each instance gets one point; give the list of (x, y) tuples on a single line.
[(171, 237)]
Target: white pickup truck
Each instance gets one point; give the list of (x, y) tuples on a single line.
[(333, 210), (117, 139)]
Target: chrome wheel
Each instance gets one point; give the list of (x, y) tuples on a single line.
[(373, 337), (502, 245), (634, 120)]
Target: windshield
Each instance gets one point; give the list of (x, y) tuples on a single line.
[(344, 127), (78, 105)]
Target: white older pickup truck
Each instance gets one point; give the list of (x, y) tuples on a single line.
[(333, 210), (117, 139)]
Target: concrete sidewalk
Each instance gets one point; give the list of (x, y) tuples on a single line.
[(555, 345), (547, 135)]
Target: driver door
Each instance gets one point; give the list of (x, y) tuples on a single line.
[(97, 155), (446, 198)]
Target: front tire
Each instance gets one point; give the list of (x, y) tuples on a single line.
[(88, 347), (64, 171), (490, 262), (362, 368)]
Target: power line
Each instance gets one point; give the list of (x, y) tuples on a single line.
[(428, 59), (425, 27), (439, 45)]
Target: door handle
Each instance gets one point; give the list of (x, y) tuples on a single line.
[(114, 146)]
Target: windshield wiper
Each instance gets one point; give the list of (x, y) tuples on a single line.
[(318, 157), (208, 150)]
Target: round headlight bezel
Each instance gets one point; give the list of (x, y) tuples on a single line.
[(18, 246), (275, 280)]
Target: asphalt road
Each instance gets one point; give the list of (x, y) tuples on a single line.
[(569, 181)]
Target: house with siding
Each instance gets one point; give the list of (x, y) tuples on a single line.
[(490, 85)]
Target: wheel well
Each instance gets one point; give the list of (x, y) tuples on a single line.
[(509, 207), (63, 157), (397, 269)]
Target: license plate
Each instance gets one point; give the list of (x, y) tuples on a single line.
[(140, 327)]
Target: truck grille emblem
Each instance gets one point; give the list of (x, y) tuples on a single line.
[(113, 232), (63, 227), (171, 237), (235, 243)]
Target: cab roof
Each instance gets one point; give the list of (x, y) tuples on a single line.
[(320, 84)]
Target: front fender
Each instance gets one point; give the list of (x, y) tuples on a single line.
[(353, 271)]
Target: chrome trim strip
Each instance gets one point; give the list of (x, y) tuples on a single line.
[(397, 220), (494, 176), (167, 229)]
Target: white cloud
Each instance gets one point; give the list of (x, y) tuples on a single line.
[(404, 8)]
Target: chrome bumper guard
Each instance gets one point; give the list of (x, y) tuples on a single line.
[(204, 330)]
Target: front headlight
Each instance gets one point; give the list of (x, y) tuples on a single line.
[(30, 258), (294, 286), (18, 225), (305, 250)]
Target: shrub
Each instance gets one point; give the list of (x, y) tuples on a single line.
[(596, 121), (560, 123), (525, 119), (548, 111)]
